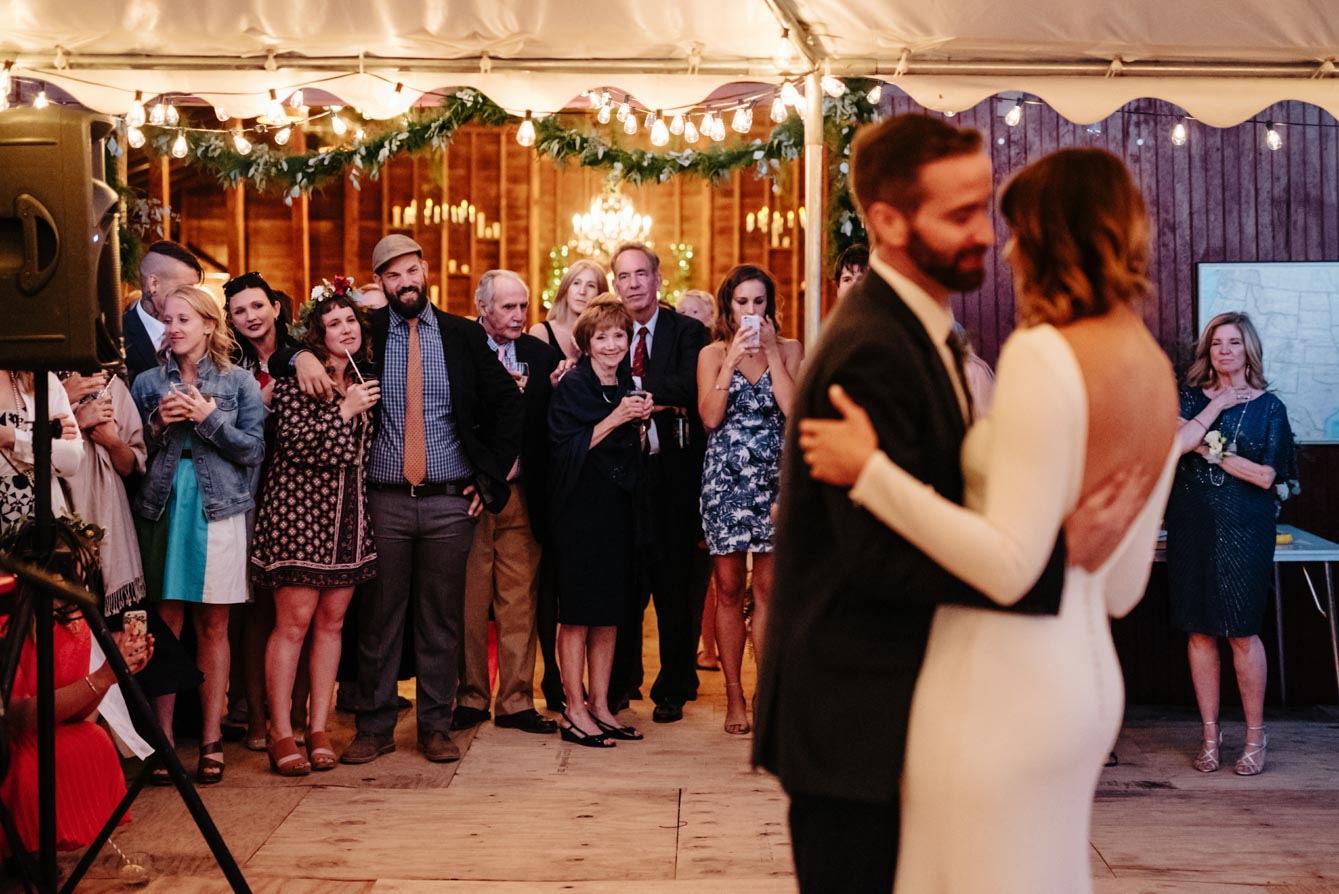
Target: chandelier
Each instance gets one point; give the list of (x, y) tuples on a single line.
[(612, 219)]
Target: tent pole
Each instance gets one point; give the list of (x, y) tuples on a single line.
[(813, 203)]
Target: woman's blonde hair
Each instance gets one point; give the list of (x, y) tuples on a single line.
[(220, 345), (1202, 374), (1080, 237), (605, 311), (560, 312)]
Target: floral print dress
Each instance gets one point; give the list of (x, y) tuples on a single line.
[(742, 473)]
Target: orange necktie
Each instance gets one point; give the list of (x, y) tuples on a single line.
[(415, 448)]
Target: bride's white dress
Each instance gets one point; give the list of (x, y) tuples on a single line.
[(1013, 715)]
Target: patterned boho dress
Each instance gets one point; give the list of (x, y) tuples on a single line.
[(313, 528), (741, 477)]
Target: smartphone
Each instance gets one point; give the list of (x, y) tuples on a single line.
[(135, 624), (753, 323)]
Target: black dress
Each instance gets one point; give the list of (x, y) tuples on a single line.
[(594, 496), (1220, 529)]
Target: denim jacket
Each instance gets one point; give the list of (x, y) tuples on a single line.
[(226, 448)]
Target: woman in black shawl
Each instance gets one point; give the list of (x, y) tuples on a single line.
[(596, 427)]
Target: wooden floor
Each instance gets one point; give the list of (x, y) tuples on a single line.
[(682, 812)]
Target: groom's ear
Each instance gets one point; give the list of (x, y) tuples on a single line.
[(888, 225)]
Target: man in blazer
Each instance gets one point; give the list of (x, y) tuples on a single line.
[(165, 266), (442, 453), (503, 569), (853, 601), (663, 356)]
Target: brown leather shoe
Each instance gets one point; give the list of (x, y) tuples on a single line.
[(367, 748), (438, 747)]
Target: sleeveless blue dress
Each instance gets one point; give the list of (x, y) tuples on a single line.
[(742, 473)]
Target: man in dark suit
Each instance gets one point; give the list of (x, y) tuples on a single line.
[(663, 356), (503, 569), (853, 601), (165, 266), (448, 432)]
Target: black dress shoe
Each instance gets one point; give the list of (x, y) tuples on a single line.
[(527, 721), (667, 713), (465, 718)]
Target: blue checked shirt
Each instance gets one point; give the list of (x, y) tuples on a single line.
[(446, 457)]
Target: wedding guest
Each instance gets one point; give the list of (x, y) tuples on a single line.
[(503, 569), (851, 265), (1237, 448), (699, 305), (596, 433), (259, 321), (204, 428), (746, 389), (165, 266), (17, 498), (583, 281), (313, 540)]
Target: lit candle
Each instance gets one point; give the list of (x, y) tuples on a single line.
[(395, 217), (433, 293)]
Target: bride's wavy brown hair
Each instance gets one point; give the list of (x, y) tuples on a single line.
[(1080, 237)]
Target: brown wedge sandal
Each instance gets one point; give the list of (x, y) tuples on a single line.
[(286, 759), (320, 750)]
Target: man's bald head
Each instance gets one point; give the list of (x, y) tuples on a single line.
[(165, 266)]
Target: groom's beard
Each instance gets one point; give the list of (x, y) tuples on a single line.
[(962, 271), (409, 301)]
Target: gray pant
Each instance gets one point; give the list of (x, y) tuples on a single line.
[(423, 544)]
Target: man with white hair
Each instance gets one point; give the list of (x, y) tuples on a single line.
[(503, 568)]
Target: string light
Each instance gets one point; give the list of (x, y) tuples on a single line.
[(950, 114), (1095, 129), (624, 109), (1015, 115), (525, 134), (743, 120), (650, 121), (833, 86), (791, 97), (690, 131), (281, 137), (603, 115), (779, 113), (359, 135), (784, 57), (875, 94), (41, 101), (274, 110), (179, 147), (659, 131), (630, 125), (158, 114), (296, 100), (1180, 133), (606, 100), (337, 123), (240, 142), (135, 137), (708, 124), (676, 126), (135, 117), (718, 129), (173, 116), (220, 114), (1273, 139)]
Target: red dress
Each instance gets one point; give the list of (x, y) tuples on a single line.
[(89, 782)]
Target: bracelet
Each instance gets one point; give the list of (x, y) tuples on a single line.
[(94, 689), (1196, 420)]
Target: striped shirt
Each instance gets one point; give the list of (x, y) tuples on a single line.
[(446, 456)]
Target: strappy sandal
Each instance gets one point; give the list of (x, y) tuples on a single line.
[(320, 751), (286, 759), (1252, 760), (209, 771), (738, 727), (159, 775), (627, 733), (1208, 759), (571, 733)]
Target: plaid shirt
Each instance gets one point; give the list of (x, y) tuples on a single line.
[(446, 458)]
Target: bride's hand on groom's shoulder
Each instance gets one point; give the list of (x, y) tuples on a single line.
[(836, 450)]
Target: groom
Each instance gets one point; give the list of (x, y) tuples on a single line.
[(853, 601)]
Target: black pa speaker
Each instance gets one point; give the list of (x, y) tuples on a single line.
[(60, 260)]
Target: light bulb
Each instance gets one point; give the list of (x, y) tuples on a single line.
[(297, 99), (875, 94), (41, 102), (179, 146), (525, 134), (659, 132), (833, 86), (779, 113), (135, 117), (676, 125), (950, 114), (784, 56), (240, 142), (1273, 139), (1180, 134), (337, 123), (158, 114), (173, 116), (708, 124), (630, 125), (135, 137), (791, 97), (359, 135), (690, 131), (1095, 129), (220, 114), (650, 121), (274, 110), (624, 108), (603, 115), (718, 129), (606, 100), (1015, 115), (281, 137)]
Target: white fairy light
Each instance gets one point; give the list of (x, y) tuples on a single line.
[(743, 120), (296, 101), (337, 123), (135, 116), (676, 125), (791, 96), (173, 116), (274, 110), (1273, 139), (282, 135), (659, 131), (1014, 116), (784, 55), (624, 108), (240, 142), (220, 114), (525, 134), (718, 129), (179, 146), (158, 114), (650, 121), (603, 115), (833, 86), (1180, 133), (690, 131), (41, 101), (630, 125), (135, 137), (875, 94), (779, 113)]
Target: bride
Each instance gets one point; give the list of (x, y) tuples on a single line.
[(1013, 715)]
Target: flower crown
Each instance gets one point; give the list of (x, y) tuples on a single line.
[(340, 286)]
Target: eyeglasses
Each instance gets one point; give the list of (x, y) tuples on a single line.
[(251, 280)]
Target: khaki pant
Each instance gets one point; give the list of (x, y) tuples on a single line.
[(503, 573)]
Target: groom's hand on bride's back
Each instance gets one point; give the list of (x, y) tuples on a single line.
[(1097, 525)]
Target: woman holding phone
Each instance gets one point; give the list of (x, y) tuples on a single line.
[(746, 387), (204, 428)]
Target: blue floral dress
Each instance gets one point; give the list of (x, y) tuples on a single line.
[(743, 469)]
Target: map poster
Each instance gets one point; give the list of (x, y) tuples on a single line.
[(1295, 307)]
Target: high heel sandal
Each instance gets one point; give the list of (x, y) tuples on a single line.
[(571, 733), (1208, 760), (737, 728), (627, 733), (1252, 760), (320, 751), (209, 771), (286, 759)]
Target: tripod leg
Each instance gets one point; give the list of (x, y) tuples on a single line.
[(91, 852), (20, 854)]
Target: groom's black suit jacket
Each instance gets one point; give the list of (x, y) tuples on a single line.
[(852, 601)]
